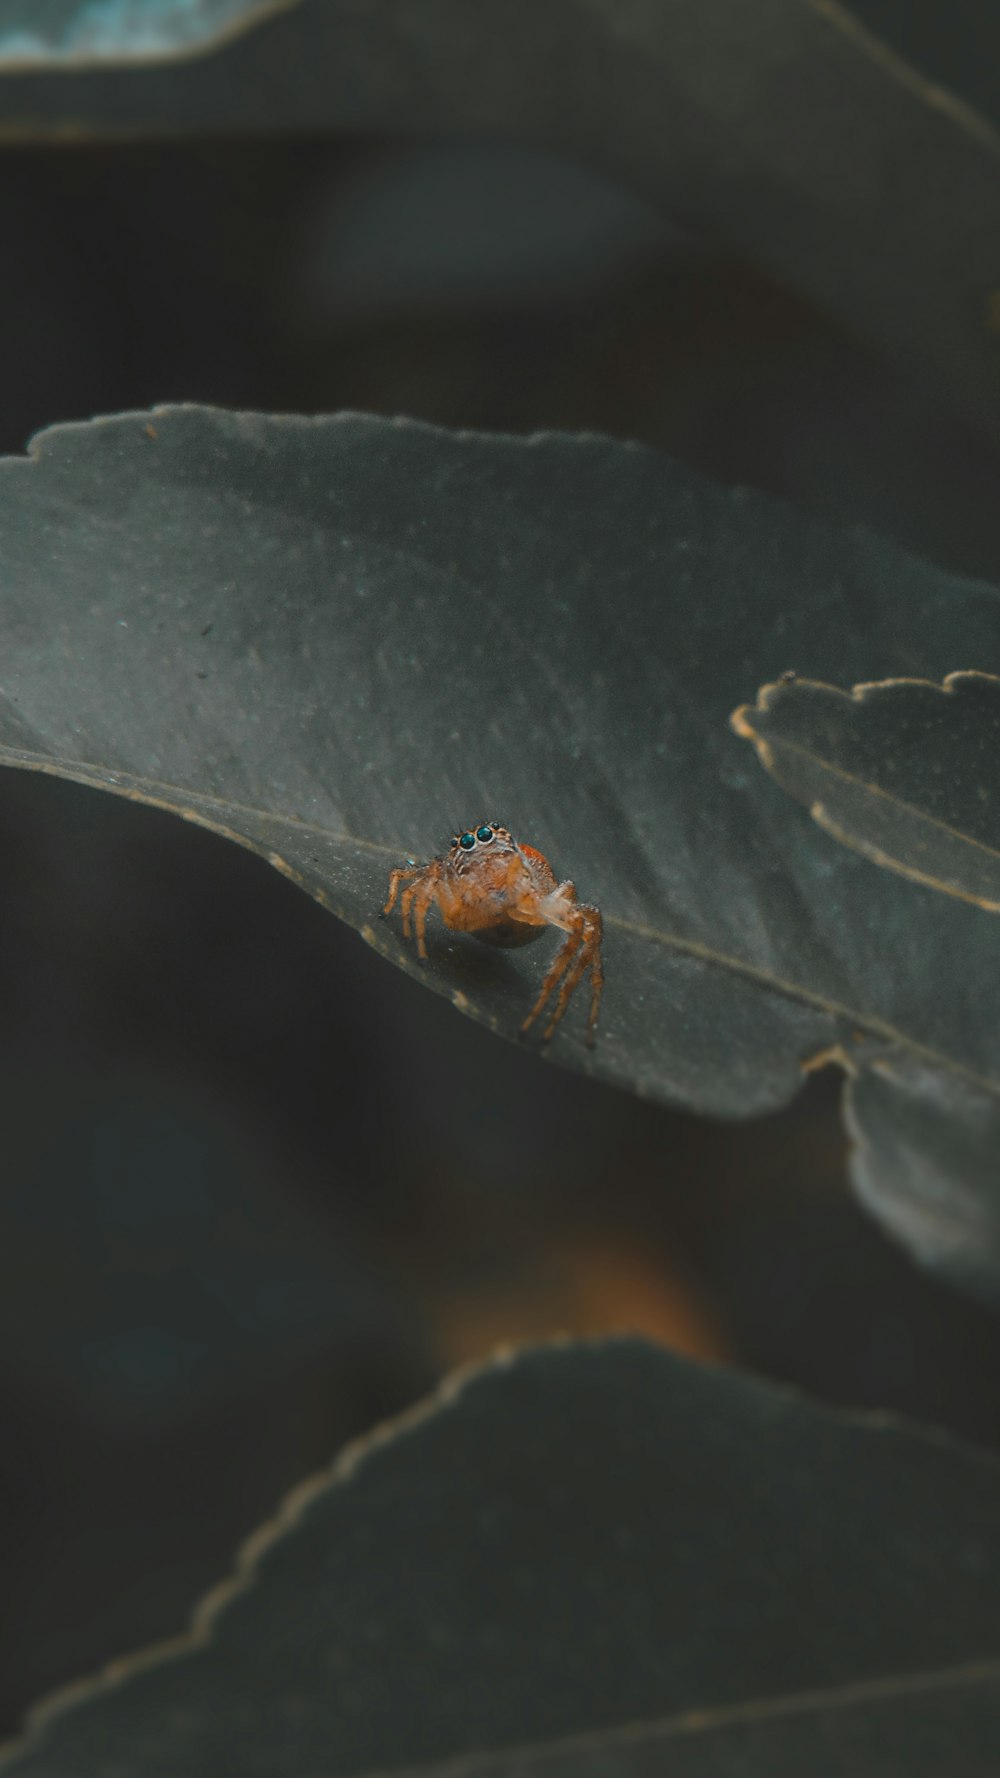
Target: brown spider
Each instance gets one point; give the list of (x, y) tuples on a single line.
[(506, 894)]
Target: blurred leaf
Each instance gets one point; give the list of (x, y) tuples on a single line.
[(927, 1148), (151, 1267), (955, 43), (332, 640), (691, 1562), (75, 33), (904, 771), (727, 115), (162, 1298)]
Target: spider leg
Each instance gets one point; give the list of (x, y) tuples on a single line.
[(570, 979), (557, 968), (422, 895), (581, 950), (416, 902), (596, 977), (405, 906), (395, 878), (588, 954)]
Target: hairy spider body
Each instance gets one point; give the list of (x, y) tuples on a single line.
[(505, 893)]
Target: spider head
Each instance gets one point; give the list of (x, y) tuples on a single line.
[(478, 838)]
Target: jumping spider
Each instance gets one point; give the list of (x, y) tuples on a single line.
[(504, 893)]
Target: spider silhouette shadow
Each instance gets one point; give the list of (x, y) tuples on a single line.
[(499, 985), (478, 968)]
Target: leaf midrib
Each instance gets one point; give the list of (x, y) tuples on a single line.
[(776, 744), (713, 1719)]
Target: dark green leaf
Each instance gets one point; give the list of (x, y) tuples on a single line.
[(905, 771), (729, 115), (179, 1276), (955, 46), (74, 33), (595, 1541), (163, 1295), (334, 640)]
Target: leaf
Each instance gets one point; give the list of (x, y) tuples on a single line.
[(956, 47), (904, 771), (574, 1555), (180, 1276), (75, 33), (731, 116), (332, 640), (162, 1297)]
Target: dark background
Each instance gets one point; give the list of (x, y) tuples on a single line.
[(260, 1189)]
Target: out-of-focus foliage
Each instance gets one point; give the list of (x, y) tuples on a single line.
[(784, 128), (558, 1567), (67, 34)]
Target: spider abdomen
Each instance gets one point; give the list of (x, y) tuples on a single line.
[(507, 933)]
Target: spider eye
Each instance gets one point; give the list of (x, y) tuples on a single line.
[(483, 834), (467, 841)]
